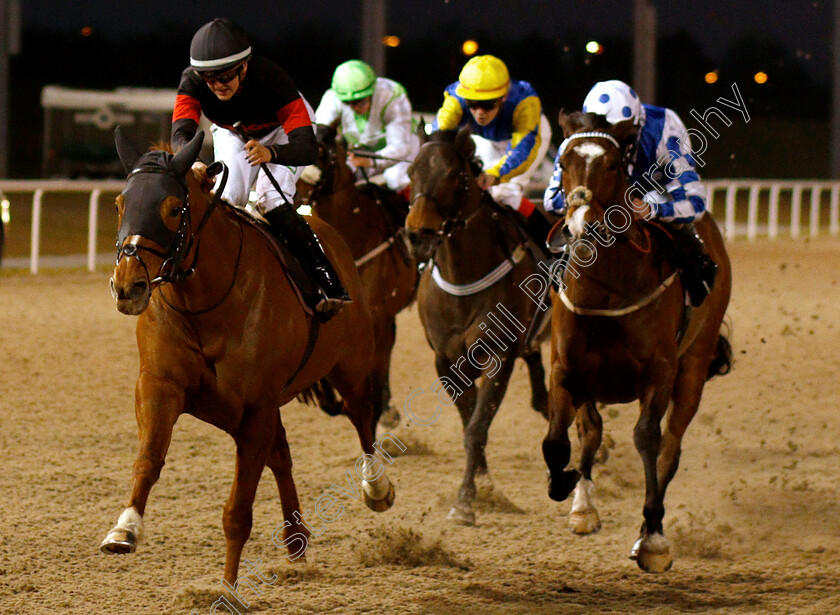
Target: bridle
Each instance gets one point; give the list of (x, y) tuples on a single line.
[(453, 223), (182, 240)]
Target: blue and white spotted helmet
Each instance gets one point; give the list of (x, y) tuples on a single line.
[(614, 99)]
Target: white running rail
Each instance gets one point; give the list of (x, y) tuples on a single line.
[(39, 187), (772, 207)]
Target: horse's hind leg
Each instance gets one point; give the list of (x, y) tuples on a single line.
[(295, 532), (583, 518), (688, 388), (254, 440), (377, 489), (157, 407), (384, 413), (536, 373)]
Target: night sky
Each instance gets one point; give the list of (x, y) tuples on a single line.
[(804, 26)]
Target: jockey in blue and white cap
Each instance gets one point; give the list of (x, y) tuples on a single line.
[(676, 197)]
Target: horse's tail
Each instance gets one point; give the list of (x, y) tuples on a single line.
[(323, 395), (722, 362)]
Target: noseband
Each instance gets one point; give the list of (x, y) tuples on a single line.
[(454, 223), (181, 241)]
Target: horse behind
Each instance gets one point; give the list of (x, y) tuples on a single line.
[(621, 331), (367, 219), (227, 341), (471, 302)]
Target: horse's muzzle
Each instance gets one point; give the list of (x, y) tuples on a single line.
[(422, 243), (131, 299)]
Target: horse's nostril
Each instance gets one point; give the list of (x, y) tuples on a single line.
[(138, 290)]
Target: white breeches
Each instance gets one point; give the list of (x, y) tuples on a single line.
[(230, 149), (510, 193)]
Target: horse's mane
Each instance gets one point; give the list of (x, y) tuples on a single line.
[(443, 136), (162, 146), (580, 120)]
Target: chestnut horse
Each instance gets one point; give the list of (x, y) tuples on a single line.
[(621, 331), (364, 217), (227, 341), (477, 317)]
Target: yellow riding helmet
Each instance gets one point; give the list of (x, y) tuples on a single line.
[(483, 78)]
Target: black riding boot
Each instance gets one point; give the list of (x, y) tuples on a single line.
[(698, 269), (292, 229)]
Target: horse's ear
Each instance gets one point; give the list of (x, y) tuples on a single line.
[(566, 124), (183, 160), (626, 132), (128, 152), (464, 142)]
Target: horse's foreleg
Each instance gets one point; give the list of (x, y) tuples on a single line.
[(465, 402), (652, 551), (488, 400), (254, 440), (377, 489), (385, 414), (536, 372), (557, 449), (584, 518), (280, 462), (158, 403)]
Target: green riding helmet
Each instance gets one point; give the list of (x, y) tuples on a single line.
[(353, 80)]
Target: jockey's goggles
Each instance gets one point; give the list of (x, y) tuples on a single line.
[(486, 105), (222, 77)]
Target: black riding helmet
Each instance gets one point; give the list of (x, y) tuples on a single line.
[(219, 46)]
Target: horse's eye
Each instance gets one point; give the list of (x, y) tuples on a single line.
[(175, 212)]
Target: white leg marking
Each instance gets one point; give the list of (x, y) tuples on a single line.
[(131, 520), (583, 496)]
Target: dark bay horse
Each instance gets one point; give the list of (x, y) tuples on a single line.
[(226, 341), (619, 331), (363, 216), (477, 318)]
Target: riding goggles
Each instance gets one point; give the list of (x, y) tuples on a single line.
[(223, 77), (486, 105)]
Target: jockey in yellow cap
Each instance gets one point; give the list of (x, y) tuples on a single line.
[(509, 128)]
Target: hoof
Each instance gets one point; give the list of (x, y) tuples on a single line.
[(559, 490), (383, 504), (585, 522), (119, 541), (652, 554), (461, 516), (483, 485), (390, 419)]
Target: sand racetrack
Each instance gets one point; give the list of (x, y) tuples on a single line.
[(753, 512)]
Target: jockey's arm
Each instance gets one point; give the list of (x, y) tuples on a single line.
[(449, 115), (302, 149), (396, 120), (329, 109), (185, 119), (685, 200), (553, 199), (524, 144)]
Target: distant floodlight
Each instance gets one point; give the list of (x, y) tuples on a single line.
[(711, 77), (594, 47), (391, 41), (469, 47), (760, 78), (87, 31)]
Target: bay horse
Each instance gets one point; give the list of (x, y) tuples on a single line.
[(621, 331), (367, 218), (476, 316), (227, 340)]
